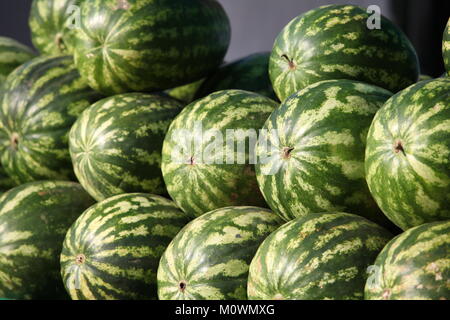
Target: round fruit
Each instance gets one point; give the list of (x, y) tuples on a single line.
[(147, 45), (209, 258), (206, 150), (116, 144), (249, 73), (413, 266), (34, 218), (42, 100), (12, 55), (446, 47), (334, 42), (408, 152), (112, 251), (53, 23), (313, 160), (320, 256), (185, 93)]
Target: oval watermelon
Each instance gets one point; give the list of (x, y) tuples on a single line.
[(313, 160), (320, 256), (413, 266), (116, 144), (209, 258), (408, 152), (12, 55), (197, 155), (42, 100), (334, 42), (113, 249), (147, 45), (52, 24), (34, 219), (446, 47)]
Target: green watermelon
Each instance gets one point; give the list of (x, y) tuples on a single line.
[(185, 93), (320, 256), (147, 45), (116, 144), (313, 160), (12, 55), (446, 47), (197, 155), (408, 152), (413, 266), (112, 251), (34, 219), (334, 42), (249, 73), (53, 23), (6, 182), (209, 258), (42, 100), (424, 77)]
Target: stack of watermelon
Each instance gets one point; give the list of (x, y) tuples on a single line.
[(136, 164)]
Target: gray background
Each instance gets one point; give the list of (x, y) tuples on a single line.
[(256, 23)]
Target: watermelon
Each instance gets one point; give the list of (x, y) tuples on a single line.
[(34, 219), (316, 257), (116, 144), (313, 160), (185, 93), (334, 42), (42, 100), (52, 24), (408, 152), (413, 266), (446, 47), (112, 251), (249, 73), (147, 45), (209, 258), (424, 77), (6, 182), (197, 155), (12, 55)]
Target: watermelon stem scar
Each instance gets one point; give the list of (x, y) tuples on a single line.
[(80, 259), (60, 42), (399, 147), (287, 152), (182, 286), (14, 140), (292, 65)]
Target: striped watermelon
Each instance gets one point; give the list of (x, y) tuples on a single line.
[(446, 47), (413, 266), (314, 160), (249, 73), (42, 100), (6, 182), (320, 256), (116, 144), (334, 42), (185, 93), (209, 258), (408, 152), (221, 177), (52, 24), (34, 218), (148, 45), (112, 251), (12, 55)]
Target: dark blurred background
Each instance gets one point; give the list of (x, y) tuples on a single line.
[(256, 23)]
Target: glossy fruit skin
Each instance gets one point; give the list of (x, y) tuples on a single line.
[(446, 47), (209, 258), (137, 45), (316, 257), (189, 158), (407, 155), (34, 219), (334, 42), (249, 73), (52, 24), (112, 251), (12, 55), (42, 100), (314, 158), (413, 266), (116, 144)]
